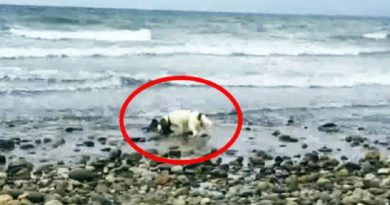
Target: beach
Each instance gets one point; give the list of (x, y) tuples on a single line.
[(313, 90)]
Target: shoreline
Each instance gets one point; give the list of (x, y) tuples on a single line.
[(124, 178)]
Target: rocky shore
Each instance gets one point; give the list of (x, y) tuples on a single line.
[(124, 178)]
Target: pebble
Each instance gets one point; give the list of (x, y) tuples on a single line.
[(82, 175), (329, 127)]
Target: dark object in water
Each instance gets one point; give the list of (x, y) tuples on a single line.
[(3, 159), (329, 127), (73, 129), (138, 139), (287, 138), (7, 145)]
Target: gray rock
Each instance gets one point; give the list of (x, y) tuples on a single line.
[(287, 138), (6, 145), (35, 197), (329, 127), (82, 175), (3, 160)]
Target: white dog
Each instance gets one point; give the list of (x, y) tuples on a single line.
[(182, 122)]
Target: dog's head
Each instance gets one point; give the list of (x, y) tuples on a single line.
[(205, 121), (164, 126)]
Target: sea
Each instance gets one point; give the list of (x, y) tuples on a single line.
[(62, 67)]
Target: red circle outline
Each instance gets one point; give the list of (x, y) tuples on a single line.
[(180, 78)]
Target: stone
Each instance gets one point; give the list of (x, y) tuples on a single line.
[(177, 169), (3, 178), (35, 197), (53, 202), (325, 150), (6, 199), (205, 201), (6, 145), (287, 138), (89, 143), (163, 178), (263, 186), (73, 129), (329, 127), (19, 170), (27, 146), (372, 155), (384, 171), (257, 161), (138, 139), (82, 175), (3, 160), (276, 133)]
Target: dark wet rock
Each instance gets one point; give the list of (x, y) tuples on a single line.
[(264, 155), (231, 152), (257, 161), (73, 129), (47, 140), (304, 146), (107, 149), (248, 129), (361, 128), (351, 166), (27, 146), (152, 151), (287, 138), (7, 145), (10, 125), (35, 197), (290, 121), (115, 154), (278, 160), (329, 127), (175, 154), (355, 139), (276, 133), (297, 156), (3, 159), (38, 141), (20, 170), (218, 172), (132, 158), (282, 145), (82, 175), (102, 140), (325, 149), (59, 143), (89, 143), (15, 193), (77, 150), (344, 158), (139, 139)]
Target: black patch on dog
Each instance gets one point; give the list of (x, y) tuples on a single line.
[(200, 119), (200, 116), (152, 126), (166, 126)]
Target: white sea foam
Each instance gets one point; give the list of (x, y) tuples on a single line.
[(259, 49), (98, 35), (376, 35)]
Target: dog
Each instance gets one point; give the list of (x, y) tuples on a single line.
[(181, 122)]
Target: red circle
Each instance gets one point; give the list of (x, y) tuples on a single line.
[(180, 161)]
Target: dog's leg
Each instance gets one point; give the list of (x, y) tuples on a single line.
[(192, 124)]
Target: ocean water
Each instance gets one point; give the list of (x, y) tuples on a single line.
[(76, 66)]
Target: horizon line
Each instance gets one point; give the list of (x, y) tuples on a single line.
[(200, 11)]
